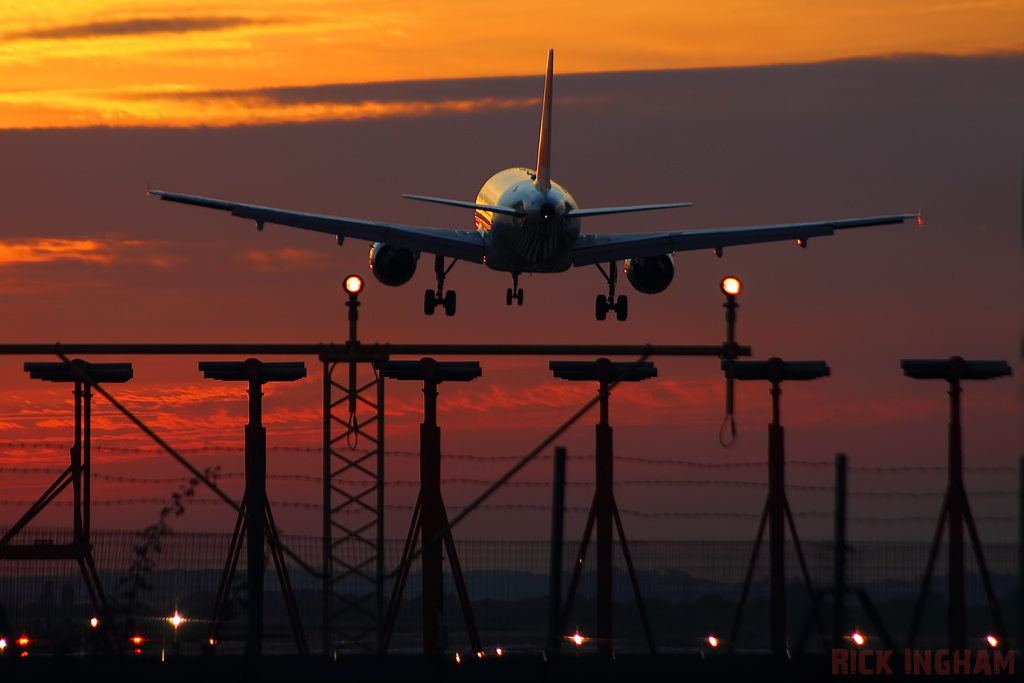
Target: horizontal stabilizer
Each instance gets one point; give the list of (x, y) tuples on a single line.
[(468, 205), (580, 213)]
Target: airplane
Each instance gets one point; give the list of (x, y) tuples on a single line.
[(527, 223)]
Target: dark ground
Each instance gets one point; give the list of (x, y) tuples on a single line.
[(719, 669)]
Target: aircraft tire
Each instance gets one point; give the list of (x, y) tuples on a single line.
[(519, 297), (449, 303), (622, 308), (601, 307), (429, 302), (508, 296)]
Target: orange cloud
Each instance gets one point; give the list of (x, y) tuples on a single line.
[(47, 250), (184, 107)]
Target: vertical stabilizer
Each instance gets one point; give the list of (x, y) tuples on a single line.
[(543, 181)]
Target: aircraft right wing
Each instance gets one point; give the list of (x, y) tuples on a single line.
[(591, 249), (460, 244)]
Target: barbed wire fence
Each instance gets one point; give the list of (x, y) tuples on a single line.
[(508, 577)]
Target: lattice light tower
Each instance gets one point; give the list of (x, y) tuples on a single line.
[(353, 494)]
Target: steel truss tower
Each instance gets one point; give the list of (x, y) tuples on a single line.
[(353, 507)]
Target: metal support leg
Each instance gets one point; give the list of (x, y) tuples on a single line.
[(460, 589), (915, 618), (256, 489), (776, 540), (605, 503), (807, 577), (403, 574), (577, 570), (644, 621), (735, 632), (986, 579)]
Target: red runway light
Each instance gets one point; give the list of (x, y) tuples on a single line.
[(23, 641), (731, 286), (353, 284)]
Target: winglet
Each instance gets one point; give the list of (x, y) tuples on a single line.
[(543, 180)]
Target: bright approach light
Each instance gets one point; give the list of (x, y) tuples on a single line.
[(353, 284), (712, 641), (3, 644), (176, 620), (731, 286), (577, 638), (992, 640), (94, 622), (857, 638)]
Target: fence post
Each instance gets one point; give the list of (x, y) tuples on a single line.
[(839, 550), (1020, 554), (555, 567)]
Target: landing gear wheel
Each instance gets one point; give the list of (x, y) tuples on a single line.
[(508, 296), (601, 307), (429, 302), (519, 297), (621, 308), (449, 303)]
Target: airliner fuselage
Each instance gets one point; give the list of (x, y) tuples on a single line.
[(540, 241)]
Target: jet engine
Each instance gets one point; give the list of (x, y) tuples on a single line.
[(650, 274), (392, 266)]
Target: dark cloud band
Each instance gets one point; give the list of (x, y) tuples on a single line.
[(131, 27)]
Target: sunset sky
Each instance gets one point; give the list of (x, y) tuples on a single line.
[(757, 113), (158, 64)]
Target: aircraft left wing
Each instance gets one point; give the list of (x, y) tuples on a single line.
[(460, 244), (591, 249)]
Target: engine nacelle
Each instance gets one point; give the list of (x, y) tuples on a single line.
[(650, 274), (392, 266)]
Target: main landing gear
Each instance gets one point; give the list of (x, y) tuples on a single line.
[(432, 299), (514, 292), (609, 303)]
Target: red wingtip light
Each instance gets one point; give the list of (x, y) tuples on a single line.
[(920, 221), (857, 638), (353, 284), (731, 286)]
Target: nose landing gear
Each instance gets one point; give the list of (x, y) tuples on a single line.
[(432, 299), (603, 304), (514, 292)]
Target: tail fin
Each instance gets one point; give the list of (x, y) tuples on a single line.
[(543, 180)]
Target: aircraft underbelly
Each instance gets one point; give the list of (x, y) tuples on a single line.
[(527, 249)]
